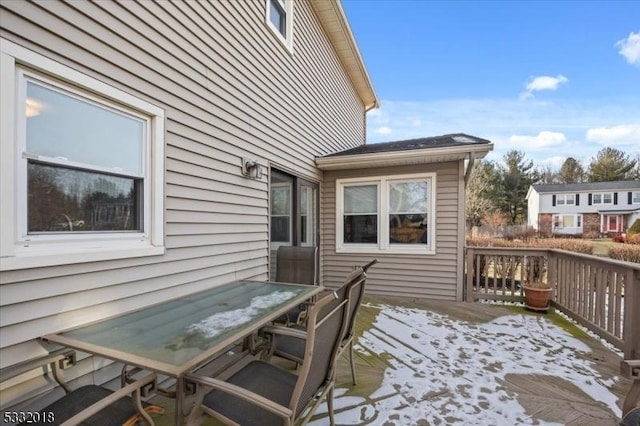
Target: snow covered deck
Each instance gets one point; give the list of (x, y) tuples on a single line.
[(423, 362), (433, 362)]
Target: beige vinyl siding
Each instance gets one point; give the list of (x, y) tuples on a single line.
[(430, 276), (229, 89)]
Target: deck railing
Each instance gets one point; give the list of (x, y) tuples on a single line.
[(601, 294)]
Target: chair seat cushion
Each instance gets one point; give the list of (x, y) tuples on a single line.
[(77, 400), (291, 347), (632, 418), (263, 379)]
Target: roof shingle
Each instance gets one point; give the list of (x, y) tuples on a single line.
[(444, 141)]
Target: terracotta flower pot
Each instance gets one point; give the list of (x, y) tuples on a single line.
[(536, 298)]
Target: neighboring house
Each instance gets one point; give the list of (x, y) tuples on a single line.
[(154, 149), (584, 208)]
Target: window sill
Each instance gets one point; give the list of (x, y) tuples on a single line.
[(401, 251), (41, 258)]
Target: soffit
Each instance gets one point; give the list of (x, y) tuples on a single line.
[(334, 21)]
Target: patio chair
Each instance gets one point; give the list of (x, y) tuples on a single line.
[(88, 405), (292, 348), (296, 265), (263, 394)]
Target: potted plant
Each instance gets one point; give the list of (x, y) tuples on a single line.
[(537, 295)]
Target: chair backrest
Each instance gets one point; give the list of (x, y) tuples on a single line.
[(296, 264), (325, 328), (354, 287)]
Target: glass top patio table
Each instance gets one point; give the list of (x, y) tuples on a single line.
[(175, 336)]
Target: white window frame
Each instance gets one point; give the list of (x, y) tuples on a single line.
[(635, 197), (311, 218), (383, 246), (601, 195), (563, 199), (287, 38), (20, 250), (577, 219), (290, 187)]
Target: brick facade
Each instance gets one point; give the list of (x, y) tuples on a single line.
[(545, 220)]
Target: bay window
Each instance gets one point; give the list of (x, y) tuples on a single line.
[(394, 214)]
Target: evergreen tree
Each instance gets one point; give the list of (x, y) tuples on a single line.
[(635, 172), (478, 192), (610, 164), (571, 171), (512, 184)]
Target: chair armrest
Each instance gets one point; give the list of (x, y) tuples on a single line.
[(285, 331), (630, 368), (241, 393), (105, 402), (63, 357), (369, 265)]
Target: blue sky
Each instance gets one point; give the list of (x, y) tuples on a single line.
[(553, 79)]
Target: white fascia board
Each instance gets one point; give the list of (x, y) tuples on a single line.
[(529, 191)]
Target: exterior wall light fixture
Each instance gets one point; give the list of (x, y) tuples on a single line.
[(251, 169)]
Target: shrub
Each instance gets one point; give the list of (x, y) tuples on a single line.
[(626, 252), (619, 239), (592, 235), (634, 229), (569, 244), (525, 234), (633, 239)]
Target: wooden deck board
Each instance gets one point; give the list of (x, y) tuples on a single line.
[(544, 398)]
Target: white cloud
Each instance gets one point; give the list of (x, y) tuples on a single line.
[(377, 112), (630, 48), (543, 82), (497, 119), (543, 140), (616, 135), (384, 130)]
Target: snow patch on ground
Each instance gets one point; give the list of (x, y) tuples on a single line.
[(446, 371)]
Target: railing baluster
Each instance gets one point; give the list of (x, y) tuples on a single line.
[(619, 291), (588, 288)]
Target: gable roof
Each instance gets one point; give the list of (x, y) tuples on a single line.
[(587, 186), (451, 147), (335, 24)]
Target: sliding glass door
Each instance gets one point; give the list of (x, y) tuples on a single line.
[(294, 212)]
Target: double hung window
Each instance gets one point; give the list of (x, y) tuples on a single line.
[(82, 167), (84, 163), (635, 199), (566, 199), (386, 214), (603, 198), (280, 20)]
